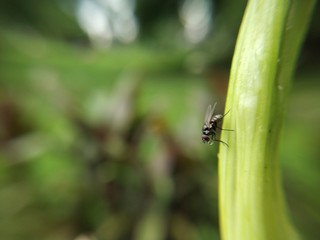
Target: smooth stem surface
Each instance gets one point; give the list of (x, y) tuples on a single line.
[(251, 198)]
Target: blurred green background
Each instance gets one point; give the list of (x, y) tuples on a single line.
[(101, 109)]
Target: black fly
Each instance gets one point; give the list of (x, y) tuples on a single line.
[(211, 125)]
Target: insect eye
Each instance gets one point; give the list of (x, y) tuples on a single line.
[(205, 139)]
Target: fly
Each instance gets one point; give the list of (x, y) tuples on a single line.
[(211, 125)]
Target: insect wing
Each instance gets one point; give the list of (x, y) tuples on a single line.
[(209, 113)]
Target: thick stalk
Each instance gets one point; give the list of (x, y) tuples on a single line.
[(251, 198)]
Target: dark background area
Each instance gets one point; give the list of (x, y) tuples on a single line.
[(101, 109)]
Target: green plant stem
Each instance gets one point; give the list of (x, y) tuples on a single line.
[(251, 198)]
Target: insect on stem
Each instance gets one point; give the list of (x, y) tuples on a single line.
[(210, 127)]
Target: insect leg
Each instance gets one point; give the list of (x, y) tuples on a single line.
[(224, 129), (227, 112), (217, 140), (221, 118)]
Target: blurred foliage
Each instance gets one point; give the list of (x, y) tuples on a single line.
[(105, 143), (47, 17)]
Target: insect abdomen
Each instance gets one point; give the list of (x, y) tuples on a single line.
[(216, 118)]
